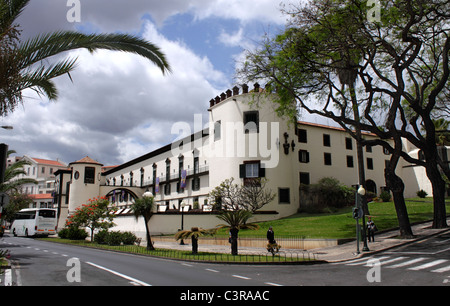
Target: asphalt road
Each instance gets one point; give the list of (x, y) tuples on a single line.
[(48, 264)]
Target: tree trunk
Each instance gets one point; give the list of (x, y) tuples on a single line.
[(234, 241), (194, 245), (438, 186), (149, 239), (396, 185)]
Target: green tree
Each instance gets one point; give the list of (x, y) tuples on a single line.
[(144, 207), (96, 215), (26, 64), (398, 65)]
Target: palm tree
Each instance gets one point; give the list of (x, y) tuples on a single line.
[(144, 207), (194, 234), (236, 220), (25, 65), (11, 182)]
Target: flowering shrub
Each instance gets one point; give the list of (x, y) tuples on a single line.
[(97, 214)]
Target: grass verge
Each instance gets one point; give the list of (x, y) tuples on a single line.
[(188, 256)]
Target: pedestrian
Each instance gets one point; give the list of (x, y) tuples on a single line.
[(371, 229), (271, 235)]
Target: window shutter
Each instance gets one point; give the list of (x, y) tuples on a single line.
[(262, 171), (242, 171)]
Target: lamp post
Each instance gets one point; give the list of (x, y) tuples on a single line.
[(182, 205), (358, 213), (362, 192)]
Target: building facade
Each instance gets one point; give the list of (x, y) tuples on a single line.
[(246, 139)]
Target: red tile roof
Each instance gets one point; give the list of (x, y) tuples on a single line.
[(48, 162), (87, 160)]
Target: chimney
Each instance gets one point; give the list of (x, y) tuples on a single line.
[(245, 88), (235, 91), (229, 93)]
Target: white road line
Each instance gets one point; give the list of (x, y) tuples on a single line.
[(407, 263), (444, 269), (119, 274), (273, 284), (392, 260), (8, 277), (187, 265), (212, 270), (364, 262), (428, 265), (241, 277)]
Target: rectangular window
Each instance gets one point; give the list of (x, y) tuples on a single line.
[(327, 159), (302, 136), (252, 170), (350, 161), (217, 130), (303, 156), (89, 175), (304, 178), (326, 140), (251, 122), (348, 143), (284, 196), (370, 163)]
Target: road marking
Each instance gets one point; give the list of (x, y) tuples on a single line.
[(392, 260), (273, 284), (212, 270), (8, 277), (364, 262), (444, 269), (429, 265), (241, 277), (133, 280), (407, 263), (187, 265)]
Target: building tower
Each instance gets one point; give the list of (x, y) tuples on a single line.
[(85, 184)]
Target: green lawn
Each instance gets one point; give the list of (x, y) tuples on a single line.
[(341, 224)]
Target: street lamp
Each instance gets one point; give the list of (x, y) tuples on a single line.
[(182, 206), (358, 213), (148, 194), (362, 192)]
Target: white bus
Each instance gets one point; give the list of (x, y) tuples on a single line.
[(34, 222)]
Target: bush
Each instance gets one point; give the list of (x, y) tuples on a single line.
[(100, 237), (385, 196), (327, 195), (115, 238), (422, 194), (72, 233), (128, 238)]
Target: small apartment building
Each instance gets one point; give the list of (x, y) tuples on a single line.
[(43, 171)]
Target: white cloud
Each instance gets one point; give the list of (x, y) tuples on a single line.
[(119, 105)]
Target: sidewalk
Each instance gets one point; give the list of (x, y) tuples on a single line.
[(347, 251)]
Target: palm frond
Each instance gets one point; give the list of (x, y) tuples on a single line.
[(47, 45), (40, 79)]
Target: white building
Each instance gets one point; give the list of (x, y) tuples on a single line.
[(245, 139), (43, 171)]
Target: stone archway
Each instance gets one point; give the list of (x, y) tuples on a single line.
[(121, 196)]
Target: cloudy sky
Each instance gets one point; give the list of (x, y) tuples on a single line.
[(120, 106)]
